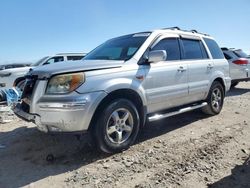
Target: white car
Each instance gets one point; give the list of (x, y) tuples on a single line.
[(11, 66), (8, 76), (239, 64)]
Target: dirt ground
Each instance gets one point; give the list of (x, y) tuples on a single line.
[(188, 150)]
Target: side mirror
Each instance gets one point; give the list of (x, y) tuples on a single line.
[(156, 56)]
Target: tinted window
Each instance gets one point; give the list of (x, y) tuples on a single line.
[(121, 48), (171, 45), (227, 56), (240, 53), (74, 58), (214, 49), (204, 51), (9, 67), (192, 49)]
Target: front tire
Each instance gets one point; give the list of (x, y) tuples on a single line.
[(215, 99), (20, 85), (117, 126)]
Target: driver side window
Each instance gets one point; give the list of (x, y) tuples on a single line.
[(171, 46)]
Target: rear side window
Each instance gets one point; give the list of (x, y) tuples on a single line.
[(193, 49), (171, 45), (214, 49), (74, 58)]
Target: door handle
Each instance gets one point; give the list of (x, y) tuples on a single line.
[(181, 69), (210, 66)]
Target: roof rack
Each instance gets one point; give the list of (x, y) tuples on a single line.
[(195, 31), (173, 28), (192, 31)]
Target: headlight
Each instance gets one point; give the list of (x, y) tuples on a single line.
[(65, 83)]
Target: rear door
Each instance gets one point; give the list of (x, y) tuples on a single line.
[(166, 81), (199, 65)]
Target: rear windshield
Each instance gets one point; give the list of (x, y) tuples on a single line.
[(241, 54), (121, 48)]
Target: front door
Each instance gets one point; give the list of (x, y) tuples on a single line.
[(166, 81)]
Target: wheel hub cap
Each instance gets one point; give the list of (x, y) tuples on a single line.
[(119, 126)]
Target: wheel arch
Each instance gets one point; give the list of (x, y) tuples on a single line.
[(125, 93), (221, 81)]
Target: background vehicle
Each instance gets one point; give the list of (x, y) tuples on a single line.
[(11, 66), (126, 81), (7, 77), (239, 63)]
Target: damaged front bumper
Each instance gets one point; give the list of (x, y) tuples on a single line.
[(72, 113)]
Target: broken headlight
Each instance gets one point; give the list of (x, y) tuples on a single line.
[(65, 83)]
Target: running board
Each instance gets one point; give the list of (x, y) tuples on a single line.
[(180, 111)]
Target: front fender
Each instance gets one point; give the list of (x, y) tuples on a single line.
[(124, 83)]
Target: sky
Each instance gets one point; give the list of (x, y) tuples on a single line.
[(30, 30)]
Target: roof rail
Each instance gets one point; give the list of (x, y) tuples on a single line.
[(173, 28), (224, 48), (74, 53), (195, 31), (192, 31)]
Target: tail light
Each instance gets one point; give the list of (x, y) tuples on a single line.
[(241, 61)]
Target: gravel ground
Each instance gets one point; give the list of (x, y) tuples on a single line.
[(188, 150)]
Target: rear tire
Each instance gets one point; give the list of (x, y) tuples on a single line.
[(215, 99), (117, 126)]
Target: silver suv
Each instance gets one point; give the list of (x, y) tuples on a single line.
[(126, 81)]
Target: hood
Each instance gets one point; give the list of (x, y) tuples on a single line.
[(46, 71)]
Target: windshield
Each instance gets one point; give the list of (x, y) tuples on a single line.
[(39, 61), (121, 48), (240, 53)]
